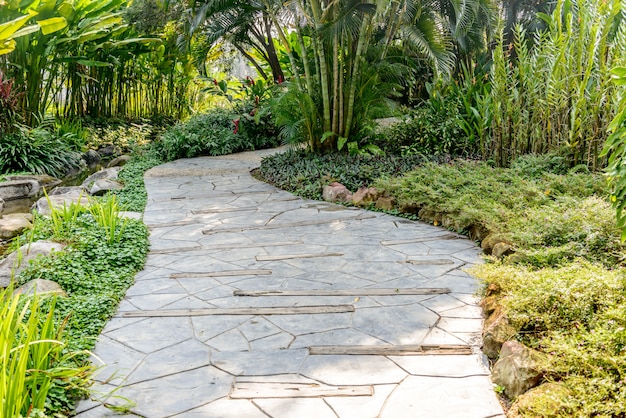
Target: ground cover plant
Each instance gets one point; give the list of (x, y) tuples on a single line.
[(99, 263)]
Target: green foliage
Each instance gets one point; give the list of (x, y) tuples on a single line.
[(36, 151), (550, 218), (216, 133), (615, 148), (555, 96), (427, 132), (106, 212), (306, 174), (133, 196), (34, 360), (576, 315)]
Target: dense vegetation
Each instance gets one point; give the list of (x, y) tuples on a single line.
[(508, 111)]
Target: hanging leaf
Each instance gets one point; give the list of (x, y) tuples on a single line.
[(54, 24)]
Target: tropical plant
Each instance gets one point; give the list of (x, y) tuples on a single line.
[(33, 357), (557, 95), (615, 148), (37, 151)]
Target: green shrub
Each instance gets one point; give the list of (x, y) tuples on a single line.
[(216, 133), (576, 315), (36, 151), (306, 173), (426, 132)]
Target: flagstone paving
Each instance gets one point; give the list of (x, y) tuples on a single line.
[(216, 230)]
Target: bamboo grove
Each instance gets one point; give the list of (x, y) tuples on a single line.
[(82, 58)]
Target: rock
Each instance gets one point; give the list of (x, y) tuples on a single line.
[(70, 190), (45, 181), (9, 266), (106, 174), (477, 232), (19, 189), (92, 158), (40, 287), (74, 195), (108, 151), (553, 398), (14, 224), (336, 192), (502, 249), (489, 305), (491, 240), (119, 161), (102, 186), (385, 203), (1, 205), (517, 369), (365, 196), (496, 331)]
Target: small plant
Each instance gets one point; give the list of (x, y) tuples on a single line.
[(64, 218), (33, 357), (106, 212), (36, 151)]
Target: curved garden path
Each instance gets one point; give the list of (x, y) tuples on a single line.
[(256, 303)]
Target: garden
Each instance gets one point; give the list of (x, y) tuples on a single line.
[(503, 120)]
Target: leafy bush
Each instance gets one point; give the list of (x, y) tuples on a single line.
[(36, 151), (306, 174), (576, 315), (216, 133), (425, 132)]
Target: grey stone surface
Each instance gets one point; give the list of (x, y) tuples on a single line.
[(15, 262), (208, 215)]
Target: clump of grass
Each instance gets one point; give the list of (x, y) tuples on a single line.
[(34, 360), (576, 314)]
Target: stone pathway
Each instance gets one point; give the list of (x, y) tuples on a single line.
[(194, 336)]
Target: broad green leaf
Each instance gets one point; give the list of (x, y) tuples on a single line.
[(54, 24), (326, 135), (137, 41), (26, 31), (341, 141), (7, 46), (92, 63), (9, 28)]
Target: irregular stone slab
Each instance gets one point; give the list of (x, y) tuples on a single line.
[(259, 363), (301, 408), (14, 224), (103, 186), (61, 197), (40, 287), (361, 407), (18, 260), (439, 397), (19, 189), (443, 366), (225, 408), (44, 180), (178, 393), (119, 161), (353, 370), (106, 174)]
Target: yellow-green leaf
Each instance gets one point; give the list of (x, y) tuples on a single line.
[(54, 24)]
